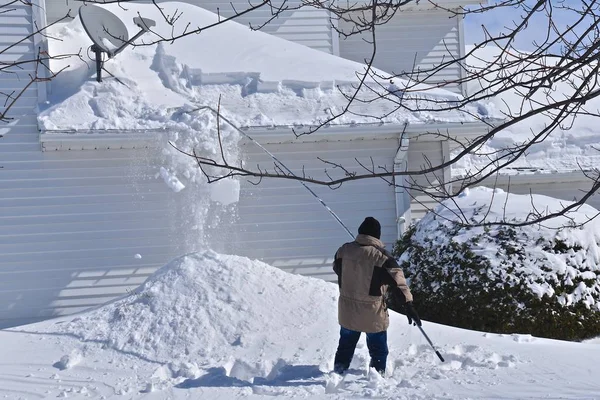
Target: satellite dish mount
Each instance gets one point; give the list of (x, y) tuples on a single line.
[(108, 33)]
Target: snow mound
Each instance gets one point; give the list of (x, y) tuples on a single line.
[(214, 309)]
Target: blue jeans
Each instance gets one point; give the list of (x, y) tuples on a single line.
[(376, 342)]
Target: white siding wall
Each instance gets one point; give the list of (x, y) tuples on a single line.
[(73, 221), (15, 26), (423, 155), (410, 41), (70, 222), (284, 225), (307, 26)]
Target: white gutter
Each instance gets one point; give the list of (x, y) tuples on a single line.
[(100, 141), (128, 139), (536, 177), (401, 194)]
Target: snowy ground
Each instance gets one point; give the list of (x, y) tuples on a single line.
[(219, 327)]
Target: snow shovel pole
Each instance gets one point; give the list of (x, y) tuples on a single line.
[(431, 344)]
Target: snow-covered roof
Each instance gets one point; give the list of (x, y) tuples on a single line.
[(572, 146), (259, 80)]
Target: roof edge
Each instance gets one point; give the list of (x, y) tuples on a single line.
[(61, 140)]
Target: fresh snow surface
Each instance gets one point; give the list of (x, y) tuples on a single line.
[(572, 146), (213, 326), (259, 79), (544, 269)]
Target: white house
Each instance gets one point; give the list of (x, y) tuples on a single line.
[(86, 216)]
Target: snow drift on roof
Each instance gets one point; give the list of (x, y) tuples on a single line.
[(259, 79)]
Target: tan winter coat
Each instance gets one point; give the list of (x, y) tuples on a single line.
[(364, 271)]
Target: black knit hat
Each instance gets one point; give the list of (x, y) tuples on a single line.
[(371, 227)]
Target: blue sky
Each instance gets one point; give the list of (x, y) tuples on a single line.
[(497, 19)]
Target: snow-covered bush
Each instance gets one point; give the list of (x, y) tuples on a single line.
[(541, 280)]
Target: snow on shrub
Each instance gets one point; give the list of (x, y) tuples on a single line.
[(540, 279)]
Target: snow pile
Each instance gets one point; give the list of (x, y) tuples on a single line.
[(215, 310), (571, 146), (493, 269), (259, 80)]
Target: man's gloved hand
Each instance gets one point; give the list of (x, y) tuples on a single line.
[(411, 314)]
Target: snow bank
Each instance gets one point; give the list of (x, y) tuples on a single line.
[(259, 80), (215, 310)]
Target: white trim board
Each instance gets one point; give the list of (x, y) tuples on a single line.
[(115, 139)]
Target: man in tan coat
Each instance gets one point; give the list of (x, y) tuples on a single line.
[(365, 270)]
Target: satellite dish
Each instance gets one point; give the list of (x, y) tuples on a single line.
[(108, 33), (105, 29)]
